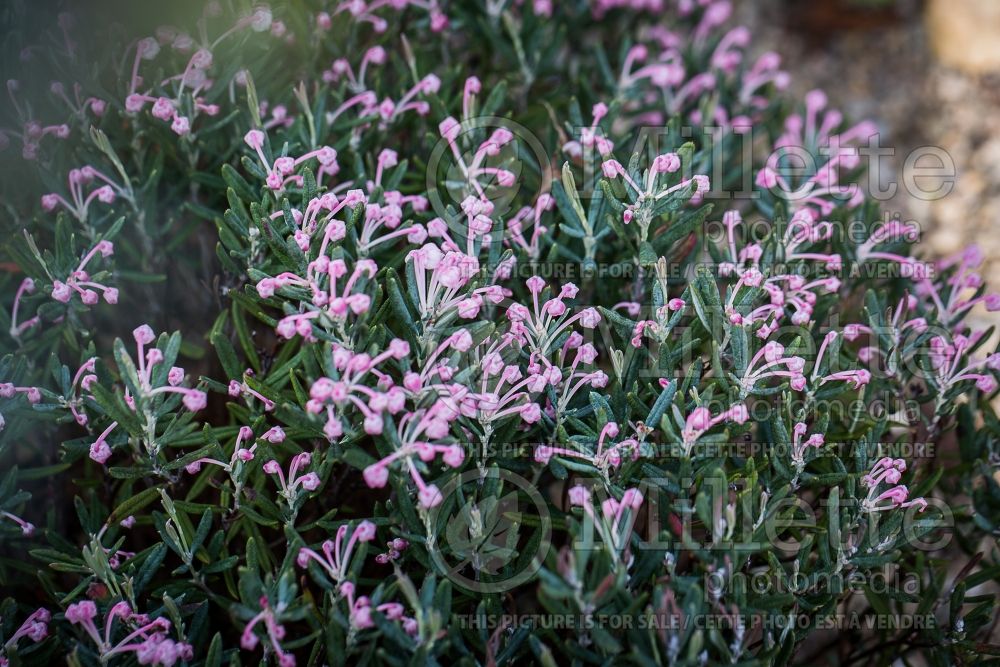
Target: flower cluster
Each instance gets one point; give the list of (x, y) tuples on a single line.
[(180, 98), (144, 637), (888, 471), (35, 628), (153, 381), (617, 517), (80, 282), (274, 633), (334, 559), (332, 396), (102, 189), (32, 131), (603, 457)]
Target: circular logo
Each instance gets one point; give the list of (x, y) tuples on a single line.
[(486, 158), (493, 529)]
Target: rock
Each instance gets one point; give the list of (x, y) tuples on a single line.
[(965, 33)]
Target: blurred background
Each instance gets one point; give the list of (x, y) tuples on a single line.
[(928, 73)]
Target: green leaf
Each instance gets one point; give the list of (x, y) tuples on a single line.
[(132, 505)]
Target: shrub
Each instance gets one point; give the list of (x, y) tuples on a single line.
[(489, 363)]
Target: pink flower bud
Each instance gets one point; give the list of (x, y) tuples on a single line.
[(143, 334), (81, 612), (399, 348), (100, 452), (163, 109), (365, 531), (134, 103), (461, 340), (667, 163), (430, 496), (275, 435), (555, 307), (195, 400), (376, 476), (310, 482), (181, 126), (766, 178), (454, 456), (61, 291), (531, 413), (373, 424)]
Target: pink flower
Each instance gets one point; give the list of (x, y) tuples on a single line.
[(666, 163), (81, 612), (398, 348), (275, 435), (454, 456), (531, 413), (254, 139), (739, 414), (376, 476), (248, 640), (554, 307), (143, 335), (181, 125), (430, 496), (163, 109), (195, 400), (373, 424), (61, 291), (579, 495), (100, 452), (699, 420), (632, 498), (461, 340), (365, 532), (986, 384), (310, 481), (468, 308), (175, 376), (766, 178), (589, 318)]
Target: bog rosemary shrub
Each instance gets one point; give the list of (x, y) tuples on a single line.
[(513, 332)]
